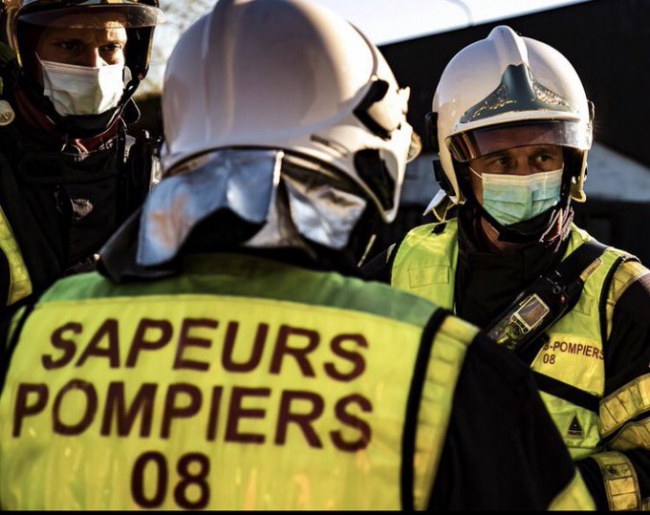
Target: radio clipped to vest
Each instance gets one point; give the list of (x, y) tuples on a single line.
[(546, 300)]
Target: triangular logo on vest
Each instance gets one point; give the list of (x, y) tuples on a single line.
[(575, 429)]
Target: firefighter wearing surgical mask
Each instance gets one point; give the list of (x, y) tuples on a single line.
[(226, 355), (69, 172), (513, 126)]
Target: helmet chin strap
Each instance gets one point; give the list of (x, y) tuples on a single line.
[(527, 231)]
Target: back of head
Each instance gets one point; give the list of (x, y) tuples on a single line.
[(312, 103)]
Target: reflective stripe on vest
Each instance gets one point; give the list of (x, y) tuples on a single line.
[(20, 285), (240, 400), (621, 482), (574, 352)]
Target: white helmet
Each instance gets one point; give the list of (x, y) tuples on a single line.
[(508, 80), (292, 76)]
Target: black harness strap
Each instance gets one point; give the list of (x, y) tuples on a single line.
[(558, 290), (567, 392), (602, 306), (413, 407), (522, 325)]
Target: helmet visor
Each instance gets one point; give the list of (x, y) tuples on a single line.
[(477, 143), (95, 16)]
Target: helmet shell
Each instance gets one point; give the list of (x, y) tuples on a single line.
[(287, 75)]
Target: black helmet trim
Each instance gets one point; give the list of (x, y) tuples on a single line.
[(131, 15)]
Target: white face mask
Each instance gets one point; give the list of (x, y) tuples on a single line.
[(83, 90)]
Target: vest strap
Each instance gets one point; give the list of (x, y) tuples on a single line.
[(567, 392), (13, 268), (625, 271), (413, 406), (542, 304)]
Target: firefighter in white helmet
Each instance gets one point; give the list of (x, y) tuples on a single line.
[(69, 172), (228, 358), (513, 126)]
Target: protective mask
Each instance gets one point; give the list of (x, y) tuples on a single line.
[(516, 198), (83, 90)]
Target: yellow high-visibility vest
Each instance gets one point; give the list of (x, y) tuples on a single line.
[(425, 264), (241, 384), (20, 285)]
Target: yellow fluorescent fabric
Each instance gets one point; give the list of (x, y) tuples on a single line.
[(21, 285), (204, 405), (574, 355), (574, 352), (578, 426), (444, 368), (625, 404), (425, 264), (621, 482), (575, 497)]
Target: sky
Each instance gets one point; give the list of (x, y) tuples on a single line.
[(389, 21), (383, 21)]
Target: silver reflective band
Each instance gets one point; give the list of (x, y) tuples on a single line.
[(322, 213), (322, 206), (219, 180)]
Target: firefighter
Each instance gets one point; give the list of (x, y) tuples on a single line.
[(225, 356), (513, 127), (69, 172)]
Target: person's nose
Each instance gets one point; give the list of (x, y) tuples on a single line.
[(91, 57), (523, 167)]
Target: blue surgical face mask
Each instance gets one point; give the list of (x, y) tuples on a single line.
[(515, 198)]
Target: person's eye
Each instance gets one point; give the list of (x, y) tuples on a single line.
[(70, 46), (546, 158), (113, 47), (503, 161), (496, 164)]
